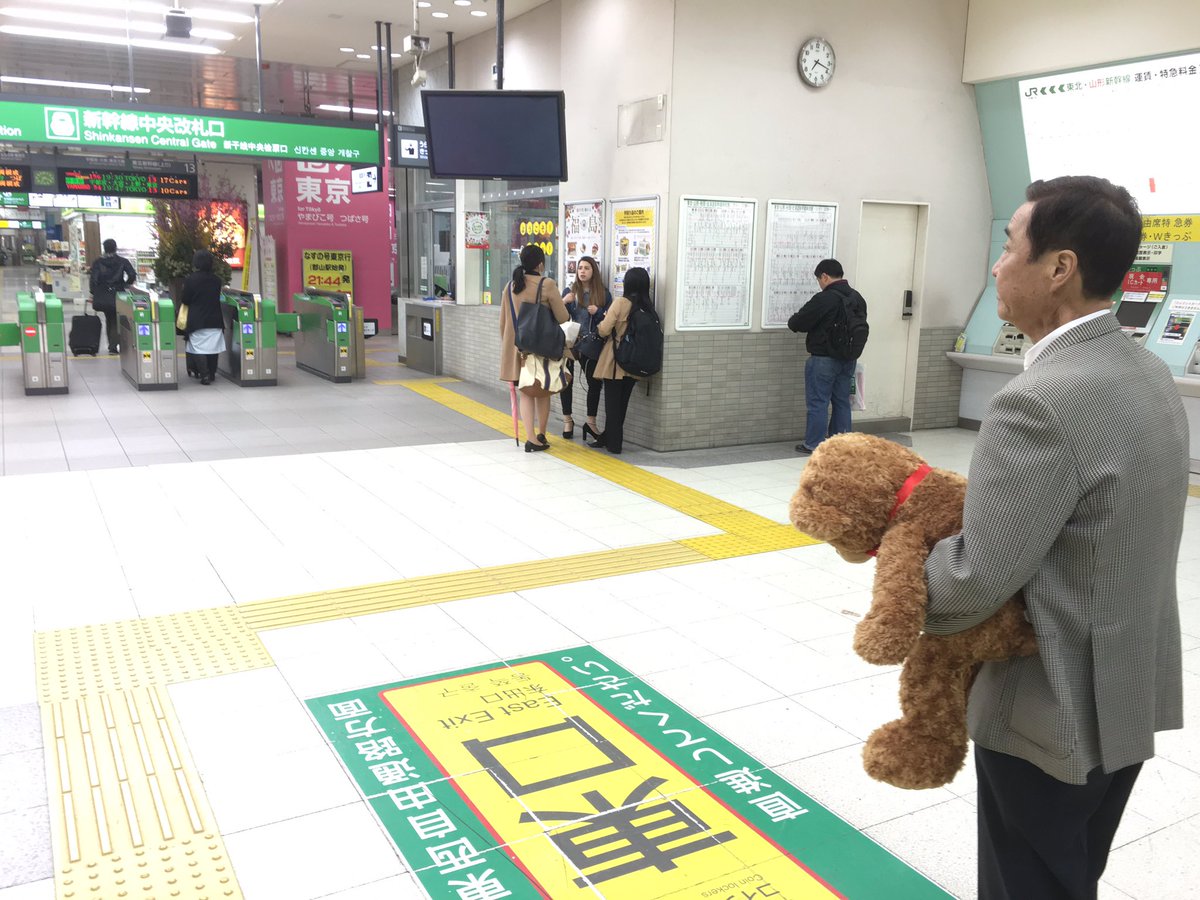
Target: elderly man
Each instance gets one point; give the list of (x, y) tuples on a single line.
[(1075, 496)]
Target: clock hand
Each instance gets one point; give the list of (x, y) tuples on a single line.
[(821, 64)]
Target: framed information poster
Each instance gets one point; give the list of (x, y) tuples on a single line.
[(799, 235), (582, 234), (716, 263), (634, 237)]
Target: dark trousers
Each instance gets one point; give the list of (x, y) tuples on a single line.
[(617, 392), (110, 326), (1040, 837), (210, 360), (594, 387)]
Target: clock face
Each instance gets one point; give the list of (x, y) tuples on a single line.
[(816, 62)]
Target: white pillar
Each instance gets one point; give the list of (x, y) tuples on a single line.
[(468, 264)]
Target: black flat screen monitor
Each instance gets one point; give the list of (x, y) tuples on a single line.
[(1135, 315), (519, 135)]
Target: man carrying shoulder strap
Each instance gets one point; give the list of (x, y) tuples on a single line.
[(827, 377)]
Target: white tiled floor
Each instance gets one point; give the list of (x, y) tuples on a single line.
[(758, 647)]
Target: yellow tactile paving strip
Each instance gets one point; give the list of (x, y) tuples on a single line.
[(1194, 490), (98, 659), (128, 815), (386, 596)]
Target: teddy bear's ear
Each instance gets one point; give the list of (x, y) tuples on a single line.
[(817, 519)]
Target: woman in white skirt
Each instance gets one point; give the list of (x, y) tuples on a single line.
[(205, 330)]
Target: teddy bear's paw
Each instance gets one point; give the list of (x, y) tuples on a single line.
[(882, 644), (902, 756)]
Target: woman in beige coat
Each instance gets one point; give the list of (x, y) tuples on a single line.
[(618, 384), (524, 289)]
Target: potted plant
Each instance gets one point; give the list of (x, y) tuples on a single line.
[(181, 227)]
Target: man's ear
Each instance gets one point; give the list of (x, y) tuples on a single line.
[(1066, 267)]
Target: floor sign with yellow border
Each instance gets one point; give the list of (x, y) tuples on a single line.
[(566, 776)]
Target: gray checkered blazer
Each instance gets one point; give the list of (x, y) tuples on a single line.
[(1076, 494)]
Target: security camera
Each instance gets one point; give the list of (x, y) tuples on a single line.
[(415, 43), (418, 77)]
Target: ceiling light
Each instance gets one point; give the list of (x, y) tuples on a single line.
[(358, 110), (462, 2), (441, 15), (55, 34), (363, 55), (397, 55), (346, 49), (80, 85), (479, 12), (146, 6), (424, 4), (39, 15)]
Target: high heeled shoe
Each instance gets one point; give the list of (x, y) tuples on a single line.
[(568, 429), (531, 447), (598, 437)]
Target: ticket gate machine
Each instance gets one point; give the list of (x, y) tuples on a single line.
[(146, 325), (251, 357), (43, 343), (326, 342)]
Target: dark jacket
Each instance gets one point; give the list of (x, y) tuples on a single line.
[(597, 318), (816, 316), (109, 275), (202, 295)]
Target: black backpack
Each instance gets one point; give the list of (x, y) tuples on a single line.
[(848, 330), (640, 351)]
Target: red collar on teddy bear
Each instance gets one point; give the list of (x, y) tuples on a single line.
[(906, 490)]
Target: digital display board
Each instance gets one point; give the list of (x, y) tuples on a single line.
[(112, 183), (409, 148), (14, 178), (364, 180)]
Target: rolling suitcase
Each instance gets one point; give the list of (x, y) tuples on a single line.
[(85, 334)]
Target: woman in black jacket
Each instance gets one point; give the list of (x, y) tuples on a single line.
[(205, 330)]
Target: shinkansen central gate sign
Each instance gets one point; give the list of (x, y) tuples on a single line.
[(185, 131)]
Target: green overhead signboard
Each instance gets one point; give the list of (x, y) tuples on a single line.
[(187, 132)]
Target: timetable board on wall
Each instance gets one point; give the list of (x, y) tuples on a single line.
[(716, 263), (799, 235), (633, 240)]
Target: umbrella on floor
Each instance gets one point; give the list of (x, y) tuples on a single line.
[(512, 396)]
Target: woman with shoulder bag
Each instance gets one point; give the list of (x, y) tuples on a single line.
[(584, 306), (619, 384), (205, 329), (528, 285)]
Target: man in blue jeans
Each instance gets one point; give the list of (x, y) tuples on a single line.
[(827, 377)]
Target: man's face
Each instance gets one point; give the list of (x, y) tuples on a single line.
[(1022, 287)]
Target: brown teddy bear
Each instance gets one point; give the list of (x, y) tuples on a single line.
[(869, 497)]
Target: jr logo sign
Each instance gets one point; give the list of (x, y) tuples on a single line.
[(62, 124)]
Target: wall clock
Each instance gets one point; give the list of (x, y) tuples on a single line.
[(816, 62)]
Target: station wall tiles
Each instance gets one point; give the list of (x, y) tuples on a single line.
[(566, 775)]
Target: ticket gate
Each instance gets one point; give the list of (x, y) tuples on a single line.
[(146, 325), (43, 341), (326, 342), (251, 357)]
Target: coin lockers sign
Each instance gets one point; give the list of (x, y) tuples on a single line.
[(564, 775)]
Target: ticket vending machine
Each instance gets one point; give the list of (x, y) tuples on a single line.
[(326, 343), (42, 339), (251, 357), (146, 325)]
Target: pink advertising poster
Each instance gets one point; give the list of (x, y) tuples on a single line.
[(309, 206)]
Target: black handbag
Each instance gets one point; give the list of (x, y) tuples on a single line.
[(589, 346), (535, 329)]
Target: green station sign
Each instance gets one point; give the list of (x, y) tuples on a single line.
[(14, 198), (191, 131)]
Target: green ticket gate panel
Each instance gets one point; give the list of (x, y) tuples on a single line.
[(326, 343), (251, 357), (43, 343), (146, 324)]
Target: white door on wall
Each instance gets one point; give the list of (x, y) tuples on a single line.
[(887, 260)]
